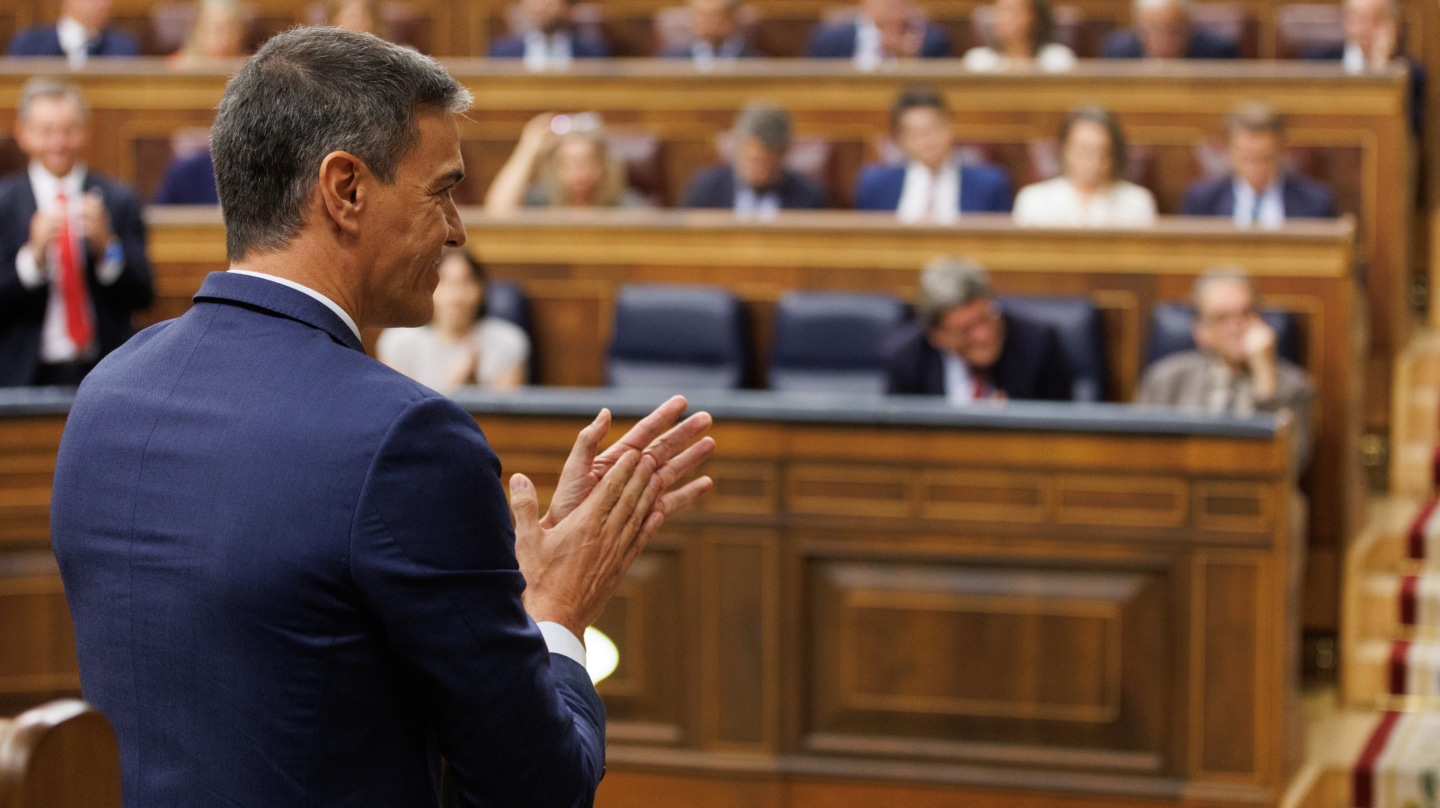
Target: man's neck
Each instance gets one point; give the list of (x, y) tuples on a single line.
[(297, 263)]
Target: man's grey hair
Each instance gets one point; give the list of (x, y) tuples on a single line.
[(947, 282), (1223, 274), (49, 87), (768, 124), (306, 93)]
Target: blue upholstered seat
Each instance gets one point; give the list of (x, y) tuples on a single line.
[(1077, 321), (832, 342), (676, 337)]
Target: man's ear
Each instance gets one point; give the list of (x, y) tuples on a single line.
[(342, 188)]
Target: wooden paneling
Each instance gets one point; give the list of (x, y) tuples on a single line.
[(772, 652)]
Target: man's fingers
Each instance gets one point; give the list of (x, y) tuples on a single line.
[(524, 507), (676, 439), (623, 520), (687, 461), (587, 444), (649, 427), (683, 497), (612, 485)]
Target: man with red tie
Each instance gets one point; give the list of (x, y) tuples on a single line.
[(72, 248)]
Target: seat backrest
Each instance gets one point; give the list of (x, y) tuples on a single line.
[(1300, 27), (1172, 329), (59, 755), (677, 337), (1233, 21), (640, 154), (506, 300), (832, 342), (1077, 321)]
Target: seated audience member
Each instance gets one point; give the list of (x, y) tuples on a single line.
[(217, 35), (964, 346), (189, 180), (931, 186), (1234, 369), (73, 266), (360, 16), (1258, 192), (561, 161), (1024, 37), (756, 183), (459, 347), (1372, 42), (1091, 190), (1163, 30), (716, 35), (550, 39), (83, 31), (883, 30)]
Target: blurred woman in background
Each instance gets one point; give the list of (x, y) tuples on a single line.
[(1024, 36), (561, 161), (1090, 191)]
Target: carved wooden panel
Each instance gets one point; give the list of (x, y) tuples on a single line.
[(739, 650), (37, 645), (27, 468), (645, 696)]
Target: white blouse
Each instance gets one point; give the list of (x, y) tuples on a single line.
[(1055, 203), (1052, 58)]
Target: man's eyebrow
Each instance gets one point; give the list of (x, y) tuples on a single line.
[(450, 178)]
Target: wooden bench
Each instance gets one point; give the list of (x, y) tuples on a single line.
[(59, 755)]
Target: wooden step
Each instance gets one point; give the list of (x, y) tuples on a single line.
[(1393, 606), (1395, 675)]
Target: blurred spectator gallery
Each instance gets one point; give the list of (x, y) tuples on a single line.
[(931, 186), (83, 31), (561, 161), (1234, 368), (883, 30), (1372, 42), (72, 248), (1163, 30), (459, 347), (217, 35), (1023, 33), (549, 38), (963, 346), (756, 183), (716, 34), (361, 16), (1091, 190), (1258, 192)]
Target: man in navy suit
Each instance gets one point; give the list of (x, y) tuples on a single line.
[(882, 31), (964, 347), (1258, 192), (1163, 30), (756, 183), (189, 180), (931, 186), (1372, 41), (83, 31), (292, 571), (550, 39), (716, 35), (72, 248)]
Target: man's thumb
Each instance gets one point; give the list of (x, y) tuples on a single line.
[(524, 504)]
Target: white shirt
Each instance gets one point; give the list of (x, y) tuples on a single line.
[(553, 51), (55, 343), (1052, 58), (426, 356), (706, 56), (959, 384), (868, 52), (750, 205), (1056, 203), (73, 39), (928, 196), (558, 639), (1271, 213), (1354, 59)]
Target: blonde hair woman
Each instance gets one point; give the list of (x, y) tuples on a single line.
[(561, 161)]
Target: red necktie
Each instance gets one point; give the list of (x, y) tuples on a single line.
[(72, 284)]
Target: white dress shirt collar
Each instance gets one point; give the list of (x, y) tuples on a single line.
[(928, 196), (1353, 58), (868, 52), (1269, 214), (959, 384), (47, 186), (73, 40), (302, 288), (552, 51)]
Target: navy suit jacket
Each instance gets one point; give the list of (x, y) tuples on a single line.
[(983, 188), (581, 47), (688, 52), (22, 310), (292, 575), (189, 181), (1032, 365), (44, 40), (1303, 198), (1203, 45), (714, 187), (838, 42)]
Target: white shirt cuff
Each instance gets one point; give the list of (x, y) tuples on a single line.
[(31, 276), (560, 641), (109, 271)]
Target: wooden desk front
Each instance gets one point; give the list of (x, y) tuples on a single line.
[(571, 267), (1357, 121), (1069, 602)]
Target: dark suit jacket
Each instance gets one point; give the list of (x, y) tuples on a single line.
[(688, 52), (22, 310), (838, 42), (1303, 198), (1203, 45), (983, 188), (44, 40), (1335, 53), (293, 580), (581, 47), (714, 187), (189, 181), (1032, 364)]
